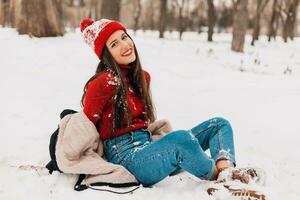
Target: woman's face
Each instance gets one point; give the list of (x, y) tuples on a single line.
[(121, 47)]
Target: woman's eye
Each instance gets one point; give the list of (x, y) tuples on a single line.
[(113, 45), (124, 37)]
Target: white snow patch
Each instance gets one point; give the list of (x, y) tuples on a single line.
[(191, 81)]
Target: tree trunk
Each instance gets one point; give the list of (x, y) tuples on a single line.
[(256, 23), (162, 21), (294, 21), (81, 3), (70, 3), (137, 14), (40, 18), (290, 22), (12, 13), (152, 21), (181, 24), (211, 19), (171, 18), (274, 21), (110, 9), (261, 4), (239, 25), (94, 9), (4, 12), (73, 14)]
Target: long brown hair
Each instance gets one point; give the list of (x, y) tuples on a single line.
[(137, 80)]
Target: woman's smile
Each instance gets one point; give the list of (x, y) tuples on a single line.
[(127, 52)]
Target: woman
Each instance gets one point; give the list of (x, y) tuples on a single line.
[(117, 100)]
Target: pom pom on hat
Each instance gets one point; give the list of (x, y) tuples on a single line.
[(85, 23)]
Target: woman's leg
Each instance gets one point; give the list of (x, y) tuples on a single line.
[(160, 158), (216, 135)]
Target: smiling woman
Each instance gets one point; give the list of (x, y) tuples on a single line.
[(117, 98), (121, 47), (118, 101)]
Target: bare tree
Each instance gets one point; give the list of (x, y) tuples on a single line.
[(4, 12), (70, 12), (70, 3), (225, 18), (201, 7), (74, 11), (137, 14), (181, 26), (111, 9), (94, 9), (162, 21), (274, 22), (239, 25), (81, 3), (260, 6), (40, 18), (171, 16), (290, 12), (151, 18), (211, 13), (12, 13)]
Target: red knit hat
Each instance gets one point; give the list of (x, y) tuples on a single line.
[(95, 34)]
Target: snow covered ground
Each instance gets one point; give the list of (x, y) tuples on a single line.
[(192, 81)]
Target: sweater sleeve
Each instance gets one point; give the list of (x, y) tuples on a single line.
[(98, 92), (147, 77)]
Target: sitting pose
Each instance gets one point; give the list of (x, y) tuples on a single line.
[(117, 100)]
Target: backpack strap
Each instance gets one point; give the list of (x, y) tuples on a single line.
[(115, 192), (80, 187)]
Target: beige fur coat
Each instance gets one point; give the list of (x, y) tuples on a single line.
[(79, 150)]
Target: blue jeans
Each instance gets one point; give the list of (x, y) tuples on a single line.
[(151, 161)]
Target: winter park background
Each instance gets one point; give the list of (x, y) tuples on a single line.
[(192, 80)]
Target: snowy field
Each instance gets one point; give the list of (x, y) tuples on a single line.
[(192, 81)]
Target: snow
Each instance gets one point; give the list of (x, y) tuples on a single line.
[(191, 81)]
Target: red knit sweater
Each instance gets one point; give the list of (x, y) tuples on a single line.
[(98, 103)]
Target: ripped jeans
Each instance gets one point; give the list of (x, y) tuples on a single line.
[(151, 161)]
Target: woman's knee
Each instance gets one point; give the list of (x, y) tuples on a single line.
[(220, 121), (183, 138)]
